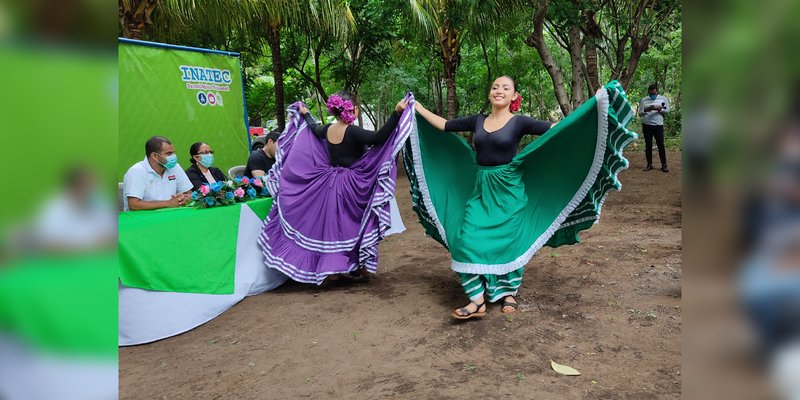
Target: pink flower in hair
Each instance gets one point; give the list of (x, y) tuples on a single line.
[(341, 108), (347, 116)]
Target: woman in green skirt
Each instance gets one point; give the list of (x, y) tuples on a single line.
[(495, 207)]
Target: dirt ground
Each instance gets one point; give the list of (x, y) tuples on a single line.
[(609, 307)]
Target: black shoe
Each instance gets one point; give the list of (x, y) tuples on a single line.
[(648, 167), (664, 168)]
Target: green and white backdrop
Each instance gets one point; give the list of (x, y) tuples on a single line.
[(186, 94)]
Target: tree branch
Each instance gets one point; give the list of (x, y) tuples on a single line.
[(536, 40), (488, 75), (553, 31)]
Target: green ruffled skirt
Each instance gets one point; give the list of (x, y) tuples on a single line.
[(493, 219)]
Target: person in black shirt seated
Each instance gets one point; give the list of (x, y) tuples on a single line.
[(261, 160), (201, 172), (347, 143)]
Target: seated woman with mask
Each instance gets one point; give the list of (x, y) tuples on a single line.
[(201, 172)]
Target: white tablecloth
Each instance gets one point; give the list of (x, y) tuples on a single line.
[(146, 316)]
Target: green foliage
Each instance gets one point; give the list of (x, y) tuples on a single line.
[(379, 50), (662, 65)]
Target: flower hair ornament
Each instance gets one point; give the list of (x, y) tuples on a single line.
[(341, 108), (516, 104)]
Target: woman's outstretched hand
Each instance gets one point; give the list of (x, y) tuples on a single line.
[(303, 110), (401, 105), (435, 120)]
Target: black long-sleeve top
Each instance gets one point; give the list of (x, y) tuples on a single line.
[(355, 141), (198, 179), (500, 146)]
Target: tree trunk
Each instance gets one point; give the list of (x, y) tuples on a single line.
[(451, 57), (530, 99), (317, 72), (619, 64), (536, 40), (274, 38), (320, 107), (488, 78), (357, 99), (379, 110), (438, 96), (450, 83), (591, 40), (576, 57), (592, 70), (542, 107), (638, 46)]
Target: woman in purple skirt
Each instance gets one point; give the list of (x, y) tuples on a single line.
[(332, 192)]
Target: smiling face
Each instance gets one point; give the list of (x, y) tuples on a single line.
[(502, 92)]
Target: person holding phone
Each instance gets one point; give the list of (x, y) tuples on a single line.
[(652, 110)]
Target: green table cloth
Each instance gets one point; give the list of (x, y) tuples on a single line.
[(183, 250), (63, 305)]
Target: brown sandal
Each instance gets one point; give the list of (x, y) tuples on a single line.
[(507, 303), (467, 315)]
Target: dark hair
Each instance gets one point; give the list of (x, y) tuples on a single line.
[(153, 145), (513, 81), (193, 151), (274, 135), (75, 174), (652, 87), (345, 95)]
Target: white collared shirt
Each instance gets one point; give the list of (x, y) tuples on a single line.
[(144, 183), (63, 223)]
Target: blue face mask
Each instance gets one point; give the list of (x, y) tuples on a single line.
[(653, 96), (171, 161), (207, 160)]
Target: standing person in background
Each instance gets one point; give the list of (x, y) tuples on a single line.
[(652, 110)]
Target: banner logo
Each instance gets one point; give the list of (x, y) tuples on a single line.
[(210, 98), (205, 78)]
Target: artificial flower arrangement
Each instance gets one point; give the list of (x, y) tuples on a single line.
[(236, 190)]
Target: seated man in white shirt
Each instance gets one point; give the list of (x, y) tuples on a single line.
[(79, 218), (157, 181)]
